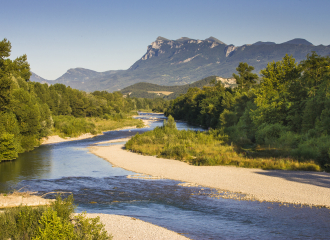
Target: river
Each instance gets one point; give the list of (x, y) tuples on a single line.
[(98, 187)]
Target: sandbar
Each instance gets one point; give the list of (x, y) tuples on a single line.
[(296, 187), (124, 227)]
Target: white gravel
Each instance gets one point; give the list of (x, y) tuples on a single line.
[(123, 227), (308, 188)]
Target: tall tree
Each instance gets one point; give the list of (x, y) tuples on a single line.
[(245, 78)]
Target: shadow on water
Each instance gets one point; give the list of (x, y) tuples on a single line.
[(197, 212), (312, 178)]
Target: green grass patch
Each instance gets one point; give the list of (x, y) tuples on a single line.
[(69, 126), (206, 149)]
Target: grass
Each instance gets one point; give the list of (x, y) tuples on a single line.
[(52, 222), (208, 149), (69, 126), (107, 125)]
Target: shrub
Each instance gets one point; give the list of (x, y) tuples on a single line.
[(52, 227), (52, 222), (269, 133)]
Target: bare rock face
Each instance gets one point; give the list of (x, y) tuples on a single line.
[(214, 44), (229, 50), (155, 48), (227, 82)]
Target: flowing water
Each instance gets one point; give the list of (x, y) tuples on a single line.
[(195, 212)]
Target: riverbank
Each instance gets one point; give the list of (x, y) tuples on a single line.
[(22, 199), (123, 227), (301, 188), (58, 139)]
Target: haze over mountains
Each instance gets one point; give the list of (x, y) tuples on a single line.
[(185, 60)]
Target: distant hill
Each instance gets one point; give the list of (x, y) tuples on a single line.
[(185, 60), (298, 41), (150, 90), (36, 78)]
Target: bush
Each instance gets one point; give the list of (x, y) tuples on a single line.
[(70, 126), (317, 148), (268, 134), (52, 227), (53, 222)]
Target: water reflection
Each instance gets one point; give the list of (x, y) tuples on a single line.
[(30, 165)]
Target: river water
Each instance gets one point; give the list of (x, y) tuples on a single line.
[(98, 187)]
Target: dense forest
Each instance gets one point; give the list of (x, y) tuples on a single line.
[(30, 111), (289, 111)]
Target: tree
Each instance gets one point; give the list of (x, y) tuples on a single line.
[(245, 78), (5, 48), (278, 92), (8, 147), (170, 123)]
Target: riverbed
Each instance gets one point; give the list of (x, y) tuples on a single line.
[(196, 212)]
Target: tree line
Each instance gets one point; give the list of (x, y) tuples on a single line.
[(30, 110), (287, 108)]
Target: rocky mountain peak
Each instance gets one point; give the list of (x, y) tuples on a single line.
[(183, 39), (162, 39), (213, 39)]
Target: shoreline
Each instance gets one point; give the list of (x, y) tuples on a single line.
[(293, 187), (126, 227), (57, 139), (17, 199)]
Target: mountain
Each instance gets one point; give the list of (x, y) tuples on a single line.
[(80, 76), (150, 90), (36, 78), (298, 41), (186, 60), (263, 43)]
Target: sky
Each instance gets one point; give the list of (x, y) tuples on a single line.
[(104, 35)]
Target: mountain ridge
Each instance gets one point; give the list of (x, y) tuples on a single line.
[(186, 60)]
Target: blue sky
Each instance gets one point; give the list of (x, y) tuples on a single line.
[(108, 35)]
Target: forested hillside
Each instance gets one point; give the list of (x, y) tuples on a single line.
[(147, 90), (30, 111), (288, 112)]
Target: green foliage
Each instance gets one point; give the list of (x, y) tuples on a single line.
[(169, 123), (20, 222), (30, 111), (246, 78), (205, 149), (8, 147), (289, 110), (64, 208), (53, 222), (70, 126), (140, 90), (268, 133), (90, 228), (52, 227)]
